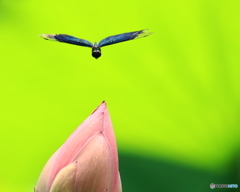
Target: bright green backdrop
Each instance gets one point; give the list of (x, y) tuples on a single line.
[(173, 96)]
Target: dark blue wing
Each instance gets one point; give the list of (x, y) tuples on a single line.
[(124, 37), (67, 39)]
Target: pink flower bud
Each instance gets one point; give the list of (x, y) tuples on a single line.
[(87, 161)]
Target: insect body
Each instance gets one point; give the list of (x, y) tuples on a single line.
[(96, 51)]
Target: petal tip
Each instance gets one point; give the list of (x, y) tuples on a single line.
[(103, 104)]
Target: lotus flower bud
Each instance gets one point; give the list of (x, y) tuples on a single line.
[(87, 161)]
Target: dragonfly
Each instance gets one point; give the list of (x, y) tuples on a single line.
[(96, 47)]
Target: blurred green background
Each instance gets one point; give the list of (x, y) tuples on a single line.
[(173, 96)]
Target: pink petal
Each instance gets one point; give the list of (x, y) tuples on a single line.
[(65, 179), (95, 167)]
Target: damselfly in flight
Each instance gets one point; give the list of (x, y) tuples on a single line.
[(96, 51)]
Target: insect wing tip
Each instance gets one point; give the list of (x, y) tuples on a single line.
[(144, 33), (48, 36)]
